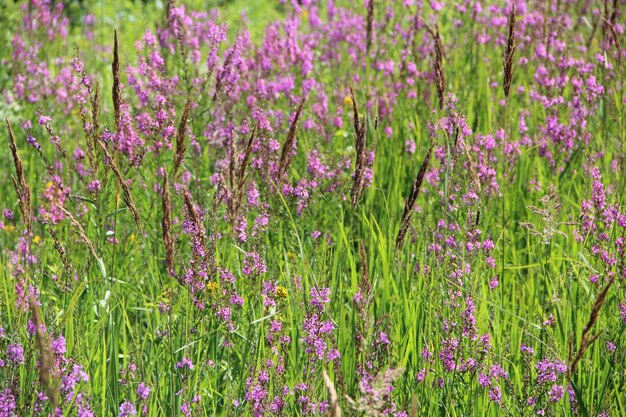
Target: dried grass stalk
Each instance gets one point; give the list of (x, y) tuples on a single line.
[(79, 230), (19, 181), (370, 25), (219, 77), (335, 410), (365, 320), (61, 151), (166, 224), (116, 92), (440, 76), (360, 142), (364, 285), (409, 204), (414, 406), (586, 340), (615, 39), (241, 176), (508, 53), (47, 376), (191, 210), (93, 135), (195, 219), (181, 147), (67, 265), (288, 148), (237, 176), (128, 200)]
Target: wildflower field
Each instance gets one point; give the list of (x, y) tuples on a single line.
[(313, 207)]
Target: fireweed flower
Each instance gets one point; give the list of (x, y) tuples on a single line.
[(94, 186), (185, 363), (494, 283), (320, 297), (495, 395), (15, 353), (8, 403), (556, 393), (33, 142), (127, 409), (253, 264), (622, 312), (58, 345), (318, 331), (527, 350), (143, 391), (8, 214), (383, 339), (409, 146), (549, 371)]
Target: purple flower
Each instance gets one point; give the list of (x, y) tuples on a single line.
[(127, 409), (495, 395), (58, 345), (7, 404), (496, 371), (253, 264), (224, 313), (421, 375), (15, 353), (556, 393), (326, 327), (84, 411), (33, 142), (43, 120), (548, 371), (383, 339), (71, 379), (143, 391), (320, 297), (333, 355), (494, 283), (488, 245), (94, 186), (8, 214), (236, 299), (185, 363), (610, 346), (527, 349)]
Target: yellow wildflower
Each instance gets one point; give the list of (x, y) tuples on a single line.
[(211, 286), (347, 102), (36, 240), (9, 228), (281, 291)]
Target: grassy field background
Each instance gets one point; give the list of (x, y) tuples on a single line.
[(502, 282)]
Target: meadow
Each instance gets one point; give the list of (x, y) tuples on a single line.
[(306, 207)]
